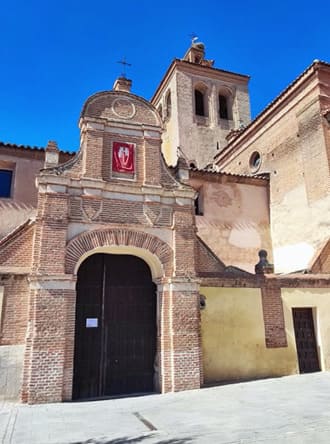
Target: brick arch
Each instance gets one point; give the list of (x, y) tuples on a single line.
[(95, 240)]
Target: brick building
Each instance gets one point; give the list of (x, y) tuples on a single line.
[(129, 266)]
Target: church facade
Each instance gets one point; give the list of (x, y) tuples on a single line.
[(129, 266)]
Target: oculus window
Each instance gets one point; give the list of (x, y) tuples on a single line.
[(255, 161)]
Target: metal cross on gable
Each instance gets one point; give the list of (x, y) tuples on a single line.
[(125, 64)]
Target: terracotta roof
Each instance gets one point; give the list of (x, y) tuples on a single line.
[(313, 66), (30, 148), (215, 170)]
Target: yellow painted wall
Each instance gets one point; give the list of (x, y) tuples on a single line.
[(233, 338), (319, 300)]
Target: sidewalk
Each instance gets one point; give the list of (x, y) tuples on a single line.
[(293, 409)]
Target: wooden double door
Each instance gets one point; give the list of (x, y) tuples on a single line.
[(115, 336)]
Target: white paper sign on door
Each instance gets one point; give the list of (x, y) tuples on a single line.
[(92, 322)]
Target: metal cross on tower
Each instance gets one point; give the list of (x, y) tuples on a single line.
[(125, 64)]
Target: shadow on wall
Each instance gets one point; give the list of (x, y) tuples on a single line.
[(126, 440)]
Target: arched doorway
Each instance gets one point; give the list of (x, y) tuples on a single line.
[(115, 337)]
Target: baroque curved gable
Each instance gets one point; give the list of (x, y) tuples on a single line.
[(121, 106)]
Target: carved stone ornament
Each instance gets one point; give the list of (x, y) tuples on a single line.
[(158, 215), (91, 208), (123, 108)]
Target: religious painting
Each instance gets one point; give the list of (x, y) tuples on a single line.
[(123, 158)]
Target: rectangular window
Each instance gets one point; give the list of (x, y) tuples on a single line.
[(5, 183)]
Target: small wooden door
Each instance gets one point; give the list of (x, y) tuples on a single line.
[(115, 339), (305, 340)]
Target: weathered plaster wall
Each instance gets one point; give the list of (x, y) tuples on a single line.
[(11, 368), (202, 137), (299, 230), (24, 173), (235, 221), (319, 300), (233, 338), (292, 145), (170, 137)]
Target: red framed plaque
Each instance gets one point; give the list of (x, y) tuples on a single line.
[(123, 157)]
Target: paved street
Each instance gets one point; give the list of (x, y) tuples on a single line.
[(293, 409)]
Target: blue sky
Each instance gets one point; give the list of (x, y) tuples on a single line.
[(56, 53)]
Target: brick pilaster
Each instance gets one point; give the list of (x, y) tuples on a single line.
[(180, 363), (184, 243), (50, 235), (49, 345), (272, 306)]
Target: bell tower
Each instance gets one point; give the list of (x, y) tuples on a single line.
[(199, 105)]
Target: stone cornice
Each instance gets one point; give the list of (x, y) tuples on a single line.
[(98, 188), (52, 282)]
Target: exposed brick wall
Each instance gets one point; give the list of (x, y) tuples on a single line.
[(179, 339), (113, 105), (70, 318), (186, 340), (116, 211), (206, 261), (185, 238), (322, 262), (314, 153), (47, 346), (88, 241), (51, 230), (152, 161), (17, 251), (325, 108), (14, 310), (93, 154), (165, 342), (258, 281), (272, 306)]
